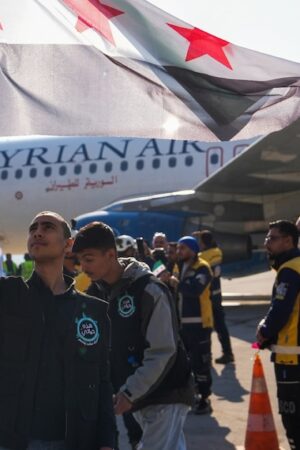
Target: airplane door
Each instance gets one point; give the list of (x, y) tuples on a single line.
[(214, 159)]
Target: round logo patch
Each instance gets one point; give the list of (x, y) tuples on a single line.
[(87, 330), (126, 306)]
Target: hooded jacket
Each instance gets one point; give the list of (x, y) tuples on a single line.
[(148, 361)]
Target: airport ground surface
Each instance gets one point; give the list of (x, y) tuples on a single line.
[(225, 428)]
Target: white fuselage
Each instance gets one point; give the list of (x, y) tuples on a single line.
[(73, 175)]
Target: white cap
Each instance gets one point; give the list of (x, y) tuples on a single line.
[(124, 242)]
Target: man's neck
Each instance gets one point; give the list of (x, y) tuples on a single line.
[(115, 274), (52, 276)]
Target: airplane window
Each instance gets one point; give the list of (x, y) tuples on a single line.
[(18, 173), (156, 163), (4, 174), (77, 169), (214, 159), (47, 171), (189, 161), (124, 166), (93, 168), (62, 170), (32, 172), (140, 164), (172, 162), (108, 167)]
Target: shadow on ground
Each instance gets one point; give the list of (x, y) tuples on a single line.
[(206, 433), (227, 386)]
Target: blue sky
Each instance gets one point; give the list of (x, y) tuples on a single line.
[(269, 26)]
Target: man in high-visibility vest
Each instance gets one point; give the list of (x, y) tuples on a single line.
[(212, 254), (196, 317), (280, 329), (9, 266)]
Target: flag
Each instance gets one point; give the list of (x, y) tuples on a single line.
[(127, 68)]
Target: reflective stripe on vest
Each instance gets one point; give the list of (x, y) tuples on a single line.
[(191, 320), (291, 350), (217, 291)]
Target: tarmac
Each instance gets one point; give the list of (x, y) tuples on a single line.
[(225, 428)]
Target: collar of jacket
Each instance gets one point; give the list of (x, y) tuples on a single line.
[(284, 257), (198, 263), (212, 255), (36, 281)]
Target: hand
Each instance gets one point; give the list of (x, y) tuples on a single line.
[(259, 337), (121, 404), (173, 281)]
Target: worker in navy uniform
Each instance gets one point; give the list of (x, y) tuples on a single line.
[(196, 317), (212, 254), (55, 392), (280, 329)]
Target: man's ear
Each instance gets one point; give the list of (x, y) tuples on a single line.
[(112, 254), (69, 244)]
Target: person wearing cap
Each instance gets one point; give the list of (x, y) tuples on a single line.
[(211, 253), (150, 369), (196, 317), (126, 246), (55, 391)]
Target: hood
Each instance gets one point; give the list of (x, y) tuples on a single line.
[(133, 270)]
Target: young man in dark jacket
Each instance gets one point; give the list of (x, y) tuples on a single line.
[(150, 371), (55, 392)]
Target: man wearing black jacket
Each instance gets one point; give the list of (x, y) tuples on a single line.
[(55, 392)]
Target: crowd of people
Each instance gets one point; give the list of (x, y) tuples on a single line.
[(112, 325)]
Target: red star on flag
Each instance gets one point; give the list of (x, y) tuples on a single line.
[(202, 43), (94, 14)]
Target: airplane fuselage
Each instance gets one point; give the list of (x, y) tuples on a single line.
[(73, 175)]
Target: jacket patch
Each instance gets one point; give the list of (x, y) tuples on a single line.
[(201, 278), (87, 330), (281, 291), (126, 306)]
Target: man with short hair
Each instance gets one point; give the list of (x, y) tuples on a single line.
[(55, 388), (150, 370), (196, 317), (160, 240), (280, 329)]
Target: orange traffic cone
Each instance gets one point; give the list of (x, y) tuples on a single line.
[(261, 433)]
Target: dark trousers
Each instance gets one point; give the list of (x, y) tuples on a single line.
[(134, 430), (43, 445), (197, 341), (288, 394), (220, 325)]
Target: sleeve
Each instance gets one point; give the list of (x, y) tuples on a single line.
[(283, 300), (160, 335), (106, 417)]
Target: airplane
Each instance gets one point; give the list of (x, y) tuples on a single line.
[(72, 175), (238, 200)]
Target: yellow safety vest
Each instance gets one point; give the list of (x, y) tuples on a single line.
[(287, 348), (205, 298)]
